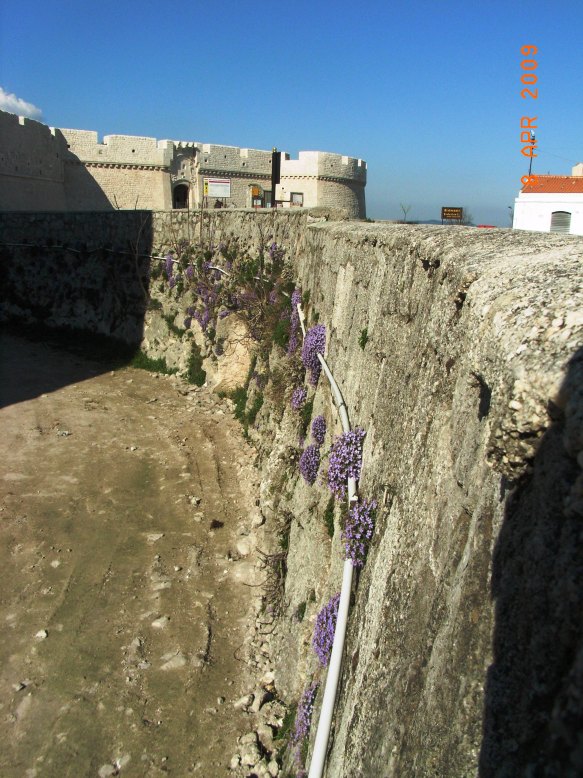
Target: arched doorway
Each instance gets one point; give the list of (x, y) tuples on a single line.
[(180, 196)]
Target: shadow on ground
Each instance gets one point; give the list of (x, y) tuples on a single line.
[(533, 720), (62, 357), (72, 281)]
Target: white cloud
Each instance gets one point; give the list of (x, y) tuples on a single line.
[(13, 104)]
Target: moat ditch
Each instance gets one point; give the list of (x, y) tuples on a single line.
[(129, 527)]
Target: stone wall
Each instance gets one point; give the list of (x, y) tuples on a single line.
[(336, 194), (465, 644), (460, 352), (81, 271), (123, 172), (31, 165), (103, 187)]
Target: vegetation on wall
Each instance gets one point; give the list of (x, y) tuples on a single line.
[(222, 281)]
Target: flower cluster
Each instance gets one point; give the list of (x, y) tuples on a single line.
[(319, 430), (169, 266), (298, 397), (358, 531), (310, 464), (324, 630), (240, 284), (345, 461), (303, 720), (276, 253), (314, 344), (296, 299)]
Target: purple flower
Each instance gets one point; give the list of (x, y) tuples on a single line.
[(303, 720), (187, 322), (203, 318), (310, 463), (319, 430), (224, 314), (345, 460), (314, 344), (273, 297), (169, 266), (189, 272), (276, 252), (298, 397), (171, 282), (358, 531), (324, 630)]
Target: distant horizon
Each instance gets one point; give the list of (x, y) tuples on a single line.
[(429, 96)]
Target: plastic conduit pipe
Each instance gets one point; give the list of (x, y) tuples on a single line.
[(329, 699)]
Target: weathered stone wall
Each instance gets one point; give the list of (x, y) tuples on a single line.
[(31, 165), (342, 194), (125, 172), (84, 271), (104, 187), (465, 644)]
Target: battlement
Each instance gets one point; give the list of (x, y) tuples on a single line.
[(319, 164), (117, 149), (233, 159), (323, 164), (29, 149)]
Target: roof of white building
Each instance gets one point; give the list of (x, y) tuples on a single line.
[(555, 184)]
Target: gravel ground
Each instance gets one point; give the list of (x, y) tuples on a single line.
[(128, 529)]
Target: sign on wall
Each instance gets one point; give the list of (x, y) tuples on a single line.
[(217, 187)]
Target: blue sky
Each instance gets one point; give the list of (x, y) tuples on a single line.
[(428, 93)]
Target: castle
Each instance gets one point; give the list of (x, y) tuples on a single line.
[(44, 168)]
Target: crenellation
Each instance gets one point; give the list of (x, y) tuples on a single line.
[(116, 149)]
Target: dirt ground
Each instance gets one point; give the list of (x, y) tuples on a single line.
[(123, 606)]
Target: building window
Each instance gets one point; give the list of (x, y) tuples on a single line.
[(560, 221), (296, 198), (180, 196)]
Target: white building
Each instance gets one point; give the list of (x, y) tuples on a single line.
[(553, 204)]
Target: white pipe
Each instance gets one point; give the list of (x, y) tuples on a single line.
[(335, 665), (329, 700)]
